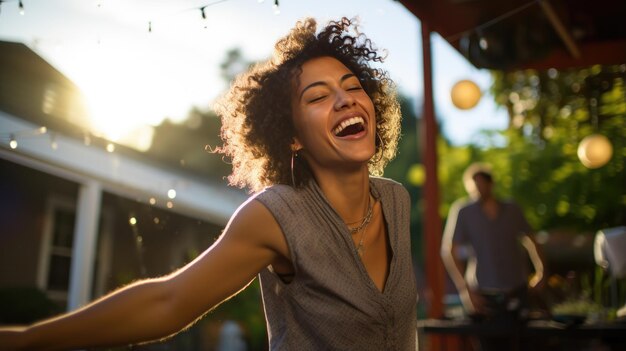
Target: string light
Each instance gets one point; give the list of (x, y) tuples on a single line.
[(171, 193), (21, 7), (110, 147), (276, 8), (13, 142), (22, 134), (491, 22), (201, 8)]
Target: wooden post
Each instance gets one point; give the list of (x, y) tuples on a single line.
[(432, 220)]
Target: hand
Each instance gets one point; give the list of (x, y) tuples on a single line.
[(474, 302), (537, 283)]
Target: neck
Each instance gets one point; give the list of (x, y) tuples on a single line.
[(347, 192), (487, 200)]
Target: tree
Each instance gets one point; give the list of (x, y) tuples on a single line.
[(550, 112)]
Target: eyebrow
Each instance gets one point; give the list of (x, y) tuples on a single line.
[(314, 84)]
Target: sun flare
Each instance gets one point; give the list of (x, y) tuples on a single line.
[(127, 93)]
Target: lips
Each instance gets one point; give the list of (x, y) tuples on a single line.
[(350, 126)]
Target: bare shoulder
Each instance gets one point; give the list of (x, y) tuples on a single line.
[(254, 222)]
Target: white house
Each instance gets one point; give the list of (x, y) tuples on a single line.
[(78, 215)]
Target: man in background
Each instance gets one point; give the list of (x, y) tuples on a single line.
[(483, 251)]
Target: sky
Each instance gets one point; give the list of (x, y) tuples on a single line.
[(133, 77)]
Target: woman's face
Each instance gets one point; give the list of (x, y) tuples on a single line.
[(334, 117)]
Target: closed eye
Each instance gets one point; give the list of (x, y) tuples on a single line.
[(318, 98)]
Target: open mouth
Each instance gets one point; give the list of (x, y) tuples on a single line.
[(350, 126)]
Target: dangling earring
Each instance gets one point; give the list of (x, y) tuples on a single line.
[(382, 148), (294, 154)]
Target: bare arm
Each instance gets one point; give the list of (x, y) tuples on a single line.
[(456, 266), (155, 308), (537, 259)]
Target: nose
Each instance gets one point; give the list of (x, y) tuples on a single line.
[(343, 99)]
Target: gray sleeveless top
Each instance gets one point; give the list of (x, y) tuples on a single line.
[(332, 303)]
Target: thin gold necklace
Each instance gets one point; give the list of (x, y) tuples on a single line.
[(360, 248), (366, 219)]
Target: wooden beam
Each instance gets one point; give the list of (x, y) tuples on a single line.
[(432, 220), (560, 29)]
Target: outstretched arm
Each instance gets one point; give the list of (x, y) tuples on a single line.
[(156, 308)]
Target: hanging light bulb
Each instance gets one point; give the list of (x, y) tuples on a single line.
[(202, 12), (465, 94), (171, 194), (21, 7), (276, 8), (595, 150), (150, 27), (13, 142)]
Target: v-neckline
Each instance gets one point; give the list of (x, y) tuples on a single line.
[(345, 231)]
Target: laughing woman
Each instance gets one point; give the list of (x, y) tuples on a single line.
[(307, 131)]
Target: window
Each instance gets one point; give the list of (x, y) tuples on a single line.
[(56, 252)]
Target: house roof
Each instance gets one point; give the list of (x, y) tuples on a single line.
[(538, 34), (34, 94), (35, 91)]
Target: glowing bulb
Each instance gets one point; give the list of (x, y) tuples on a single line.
[(13, 142), (276, 8), (483, 43), (152, 201), (110, 147), (170, 204), (465, 94), (21, 7), (171, 193), (594, 151), (132, 220)]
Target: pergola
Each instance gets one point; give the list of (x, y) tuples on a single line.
[(507, 35)]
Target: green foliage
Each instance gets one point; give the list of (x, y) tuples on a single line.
[(246, 309), (550, 113), (409, 154)]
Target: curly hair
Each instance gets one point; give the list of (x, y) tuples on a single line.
[(257, 126)]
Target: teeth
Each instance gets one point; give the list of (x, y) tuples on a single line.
[(348, 122)]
